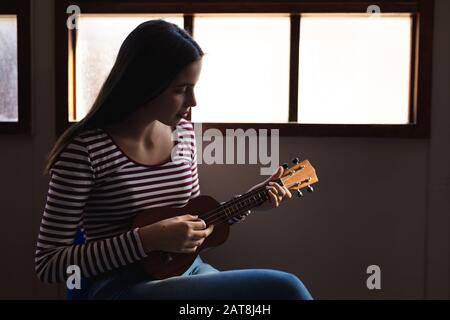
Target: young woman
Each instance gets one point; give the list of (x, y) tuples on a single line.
[(120, 159)]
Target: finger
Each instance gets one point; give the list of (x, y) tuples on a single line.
[(274, 198), (277, 194), (198, 224), (283, 192), (196, 243), (275, 176), (193, 246), (280, 190), (288, 192), (209, 230), (277, 173), (197, 235), (272, 194), (189, 217)]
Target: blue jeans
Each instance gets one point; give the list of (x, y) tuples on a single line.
[(200, 282)]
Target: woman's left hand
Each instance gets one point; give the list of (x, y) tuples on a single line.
[(277, 193)]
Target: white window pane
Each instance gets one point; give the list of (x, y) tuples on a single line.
[(354, 69), (8, 69), (99, 41), (245, 73)]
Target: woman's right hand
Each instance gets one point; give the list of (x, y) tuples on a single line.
[(182, 234)]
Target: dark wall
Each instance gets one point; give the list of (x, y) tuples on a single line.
[(379, 201)]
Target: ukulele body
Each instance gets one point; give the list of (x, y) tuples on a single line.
[(162, 265)]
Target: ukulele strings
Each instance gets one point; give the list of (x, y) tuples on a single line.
[(212, 217), (221, 219), (217, 218)]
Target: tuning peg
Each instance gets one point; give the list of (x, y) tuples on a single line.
[(310, 189), (285, 166), (299, 193), (295, 160)]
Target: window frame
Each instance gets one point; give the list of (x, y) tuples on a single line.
[(421, 57), (20, 8)]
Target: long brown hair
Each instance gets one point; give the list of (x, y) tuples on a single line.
[(148, 60)]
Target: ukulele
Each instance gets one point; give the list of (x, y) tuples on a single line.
[(162, 265)]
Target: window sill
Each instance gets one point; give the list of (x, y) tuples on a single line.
[(323, 130)]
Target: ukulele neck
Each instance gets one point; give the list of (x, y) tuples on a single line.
[(237, 206)]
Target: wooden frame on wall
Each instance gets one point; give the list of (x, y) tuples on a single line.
[(20, 8), (421, 63)]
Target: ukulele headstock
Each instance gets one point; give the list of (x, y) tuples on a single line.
[(299, 176)]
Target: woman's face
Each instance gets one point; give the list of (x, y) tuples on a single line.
[(175, 102)]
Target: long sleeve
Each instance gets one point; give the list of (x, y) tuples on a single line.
[(72, 178)]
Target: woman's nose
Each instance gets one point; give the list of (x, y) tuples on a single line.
[(192, 101)]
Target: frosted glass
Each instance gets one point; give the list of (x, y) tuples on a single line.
[(8, 69), (354, 69), (245, 73), (99, 41)]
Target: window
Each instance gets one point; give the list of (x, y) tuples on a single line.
[(354, 69), (8, 69), (14, 67), (306, 68), (99, 40), (245, 74)]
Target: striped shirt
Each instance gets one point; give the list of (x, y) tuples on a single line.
[(96, 187)]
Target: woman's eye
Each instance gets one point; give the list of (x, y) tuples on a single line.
[(181, 91)]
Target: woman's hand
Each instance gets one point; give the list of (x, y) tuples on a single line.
[(277, 193), (182, 234)]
